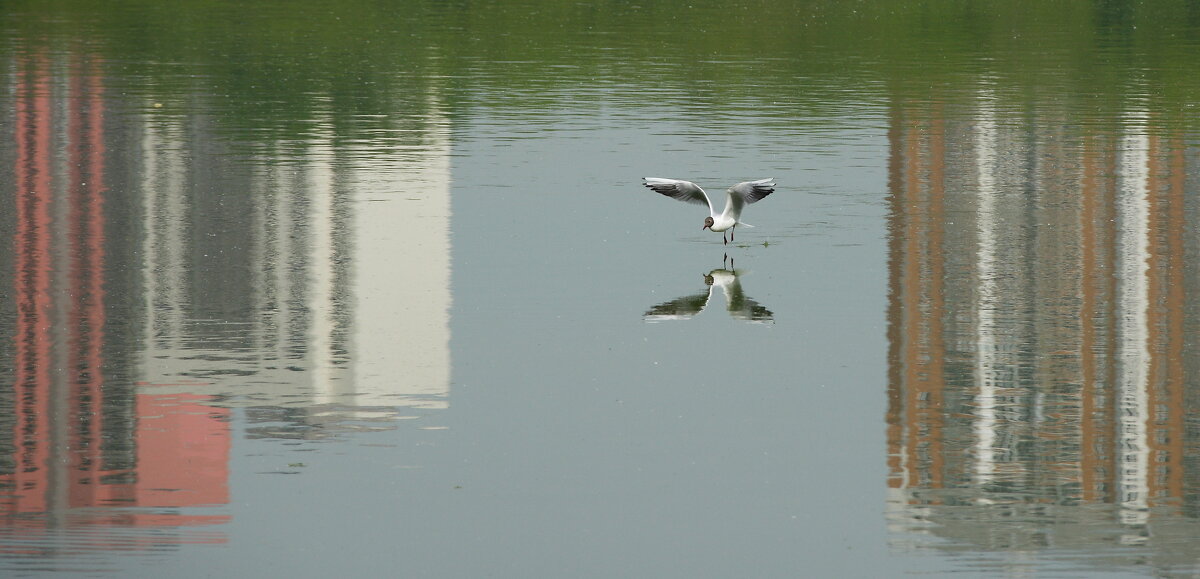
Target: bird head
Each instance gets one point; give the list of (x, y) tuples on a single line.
[(708, 222)]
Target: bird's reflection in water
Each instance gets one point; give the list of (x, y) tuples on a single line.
[(736, 303)]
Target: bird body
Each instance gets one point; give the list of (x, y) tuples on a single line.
[(736, 198)]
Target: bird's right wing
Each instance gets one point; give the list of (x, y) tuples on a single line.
[(681, 190)]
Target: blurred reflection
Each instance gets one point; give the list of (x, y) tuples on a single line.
[(736, 303), (1040, 303), (155, 290), (70, 438), (321, 302)]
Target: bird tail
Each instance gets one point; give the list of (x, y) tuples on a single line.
[(744, 224)]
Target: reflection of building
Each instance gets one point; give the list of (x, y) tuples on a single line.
[(333, 290), (151, 291), (401, 325), (1039, 307), (71, 436)]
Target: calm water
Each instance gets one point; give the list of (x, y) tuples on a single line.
[(293, 289)]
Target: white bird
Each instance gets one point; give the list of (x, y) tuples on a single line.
[(736, 198)]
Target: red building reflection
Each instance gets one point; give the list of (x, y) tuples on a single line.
[(77, 449)]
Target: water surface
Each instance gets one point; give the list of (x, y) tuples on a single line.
[(300, 289)]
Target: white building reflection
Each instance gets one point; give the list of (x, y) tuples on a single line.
[(991, 366), (401, 279), (325, 277), (1133, 321)]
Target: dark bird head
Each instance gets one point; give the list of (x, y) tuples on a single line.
[(708, 222)]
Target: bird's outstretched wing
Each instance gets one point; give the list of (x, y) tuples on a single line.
[(681, 190), (747, 192), (752, 191)]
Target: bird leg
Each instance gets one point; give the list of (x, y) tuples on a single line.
[(731, 230), (723, 238)]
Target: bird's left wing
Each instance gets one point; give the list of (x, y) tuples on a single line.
[(739, 306), (746, 192), (744, 308), (751, 191)]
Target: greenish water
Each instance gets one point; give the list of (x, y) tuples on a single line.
[(297, 288)]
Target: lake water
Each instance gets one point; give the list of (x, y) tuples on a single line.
[(304, 289)]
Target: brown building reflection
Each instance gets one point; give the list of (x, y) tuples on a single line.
[(1042, 294), (72, 437)]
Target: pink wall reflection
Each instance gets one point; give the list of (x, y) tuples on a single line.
[(80, 451)]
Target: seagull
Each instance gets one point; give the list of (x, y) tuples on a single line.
[(736, 303), (736, 197)]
